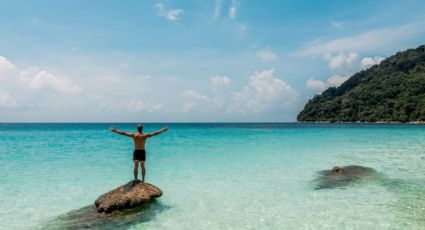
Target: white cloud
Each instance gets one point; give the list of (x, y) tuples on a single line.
[(367, 41), (36, 79), (320, 86), (338, 25), (139, 105), (337, 80), (195, 99), (264, 92), (6, 101), (129, 105), (233, 9), (341, 60), (317, 85), (217, 8), (265, 81), (41, 79), (194, 94), (220, 86), (218, 81), (6, 67), (171, 15), (267, 55), (346, 63), (369, 61)]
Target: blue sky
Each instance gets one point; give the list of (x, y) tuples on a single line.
[(189, 61)]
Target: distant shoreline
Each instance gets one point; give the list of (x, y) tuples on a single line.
[(362, 122)]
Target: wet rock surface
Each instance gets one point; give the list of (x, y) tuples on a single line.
[(343, 176), (130, 195)]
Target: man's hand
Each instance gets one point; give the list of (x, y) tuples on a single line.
[(164, 129), (113, 129)]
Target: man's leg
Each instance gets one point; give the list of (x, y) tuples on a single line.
[(136, 167), (142, 165)]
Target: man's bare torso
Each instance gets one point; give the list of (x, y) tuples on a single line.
[(139, 141), (139, 138)]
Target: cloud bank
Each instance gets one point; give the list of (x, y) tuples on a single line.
[(263, 92), (30, 81)]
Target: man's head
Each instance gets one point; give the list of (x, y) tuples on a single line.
[(139, 128)]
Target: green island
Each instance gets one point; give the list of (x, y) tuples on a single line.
[(393, 91)]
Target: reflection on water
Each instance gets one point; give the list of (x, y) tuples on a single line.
[(88, 217)]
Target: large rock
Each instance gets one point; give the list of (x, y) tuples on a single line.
[(130, 195), (343, 176)]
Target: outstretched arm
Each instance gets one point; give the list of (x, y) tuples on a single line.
[(121, 132), (157, 132)]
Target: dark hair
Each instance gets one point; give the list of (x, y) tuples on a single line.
[(139, 128)]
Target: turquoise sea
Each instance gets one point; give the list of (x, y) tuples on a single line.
[(214, 176)]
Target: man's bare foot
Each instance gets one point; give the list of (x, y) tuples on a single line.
[(134, 182)]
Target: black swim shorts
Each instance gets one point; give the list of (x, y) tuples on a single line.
[(139, 154)]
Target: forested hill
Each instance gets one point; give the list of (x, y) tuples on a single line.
[(393, 91)]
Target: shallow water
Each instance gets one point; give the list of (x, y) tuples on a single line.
[(216, 176)]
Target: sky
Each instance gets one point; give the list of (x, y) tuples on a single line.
[(190, 60)]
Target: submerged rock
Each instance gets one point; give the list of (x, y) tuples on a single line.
[(89, 218), (343, 176), (130, 195)]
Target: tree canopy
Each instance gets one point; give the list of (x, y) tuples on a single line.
[(393, 91)]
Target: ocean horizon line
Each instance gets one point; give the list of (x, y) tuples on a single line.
[(227, 122), (155, 122)]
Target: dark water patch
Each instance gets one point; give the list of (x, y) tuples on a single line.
[(88, 217), (340, 177)]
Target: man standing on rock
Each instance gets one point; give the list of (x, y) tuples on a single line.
[(139, 154)]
